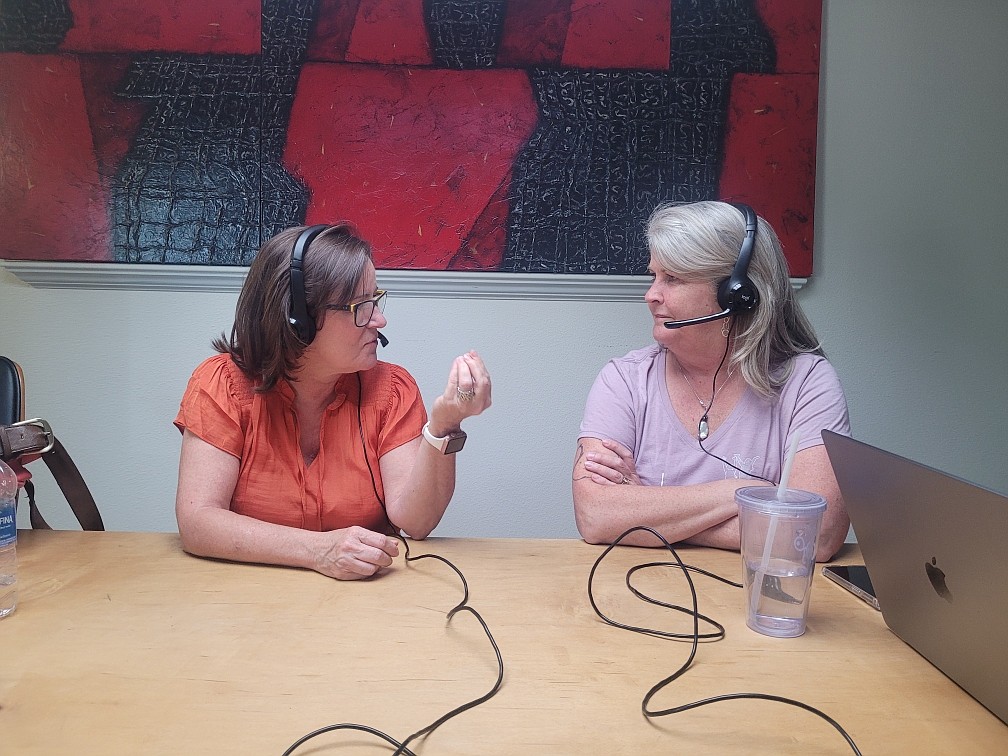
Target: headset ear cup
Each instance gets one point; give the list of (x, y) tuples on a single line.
[(738, 297), (737, 292), (300, 319), (304, 330), (300, 323)]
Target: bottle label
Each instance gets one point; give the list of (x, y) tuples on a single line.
[(8, 526)]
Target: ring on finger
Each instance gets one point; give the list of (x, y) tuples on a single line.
[(625, 480), (465, 396)]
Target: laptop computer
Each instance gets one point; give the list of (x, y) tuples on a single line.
[(935, 546)]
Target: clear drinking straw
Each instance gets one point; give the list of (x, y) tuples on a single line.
[(786, 471), (772, 529)]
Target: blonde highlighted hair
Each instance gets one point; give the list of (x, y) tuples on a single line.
[(700, 241)]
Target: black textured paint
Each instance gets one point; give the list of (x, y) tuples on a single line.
[(464, 34), (612, 145), (203, 182), (33, 26)]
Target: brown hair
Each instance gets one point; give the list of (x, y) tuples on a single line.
[(262, 342)]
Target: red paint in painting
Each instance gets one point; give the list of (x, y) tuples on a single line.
[(390, 32), (189, 26), (631, 35), (55, 206), (114, 120), (411, 156), (796, 31), (483, 249), (330, 35), (534, 33), (770, 157)]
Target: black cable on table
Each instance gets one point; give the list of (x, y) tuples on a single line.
[(402, 748), (694, 637)]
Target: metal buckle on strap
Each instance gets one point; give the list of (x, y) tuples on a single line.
[(38, 422)]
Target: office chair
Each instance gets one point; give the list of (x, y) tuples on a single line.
[(22, 440)]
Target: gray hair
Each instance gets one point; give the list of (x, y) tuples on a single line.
[(700, 241)]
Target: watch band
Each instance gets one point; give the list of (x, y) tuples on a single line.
[(449, 444)]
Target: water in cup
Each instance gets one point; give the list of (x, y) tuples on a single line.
[(779, 532), (781, 601)]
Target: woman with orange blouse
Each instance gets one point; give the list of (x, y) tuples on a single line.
[(299, 446)]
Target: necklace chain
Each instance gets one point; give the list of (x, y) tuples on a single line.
[(705, 405)]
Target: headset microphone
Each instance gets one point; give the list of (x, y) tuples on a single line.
[(382, 339), (697, 321), (737, 293)]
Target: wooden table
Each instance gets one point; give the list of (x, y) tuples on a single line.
[(123, 644)]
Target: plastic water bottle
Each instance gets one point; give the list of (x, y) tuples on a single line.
[(8, 540)]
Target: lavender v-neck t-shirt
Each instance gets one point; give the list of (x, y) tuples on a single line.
[(629, 403)]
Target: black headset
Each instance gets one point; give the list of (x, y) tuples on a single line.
[(737, 293), (301, 321)]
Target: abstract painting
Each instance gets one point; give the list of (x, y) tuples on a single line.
[(521, 136)]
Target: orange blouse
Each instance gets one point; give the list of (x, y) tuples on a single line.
[(261, 430)]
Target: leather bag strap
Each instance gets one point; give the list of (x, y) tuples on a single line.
[(36, 437), (37, 520), (72, 484)]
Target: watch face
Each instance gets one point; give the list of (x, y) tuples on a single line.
[(455, 442)]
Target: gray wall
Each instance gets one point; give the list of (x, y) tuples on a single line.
[(909, 259), (910, 247)]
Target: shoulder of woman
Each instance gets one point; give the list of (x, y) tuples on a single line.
[(636, 362), (809, 364), (814, 373), (643, 356), (219, 375), (629, 378), (387, 381)]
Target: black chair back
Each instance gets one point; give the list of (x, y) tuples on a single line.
[(12, 405)]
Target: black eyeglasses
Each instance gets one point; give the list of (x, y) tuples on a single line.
[(363, 311)]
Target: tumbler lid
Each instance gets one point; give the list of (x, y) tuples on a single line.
[(793, 502)]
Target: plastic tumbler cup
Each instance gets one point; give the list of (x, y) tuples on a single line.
[(779, 538)]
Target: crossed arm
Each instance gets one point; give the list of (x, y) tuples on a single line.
[(704, 514)]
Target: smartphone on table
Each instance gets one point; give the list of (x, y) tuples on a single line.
[(854, 578)]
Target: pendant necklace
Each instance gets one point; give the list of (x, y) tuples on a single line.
[(704, 429)]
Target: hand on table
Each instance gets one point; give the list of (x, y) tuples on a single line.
[(355, 552)]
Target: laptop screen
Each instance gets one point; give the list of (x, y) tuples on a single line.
[(934, 545)]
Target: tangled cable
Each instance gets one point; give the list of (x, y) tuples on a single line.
[(402, 748), (695, 636)]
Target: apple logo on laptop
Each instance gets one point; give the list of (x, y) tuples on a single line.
[(937, 577)]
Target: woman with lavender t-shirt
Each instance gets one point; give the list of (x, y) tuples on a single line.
[(672, 429)]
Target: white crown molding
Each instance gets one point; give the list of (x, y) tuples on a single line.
[(438, 284)]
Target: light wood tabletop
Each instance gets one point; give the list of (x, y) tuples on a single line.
[(123, 644)]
